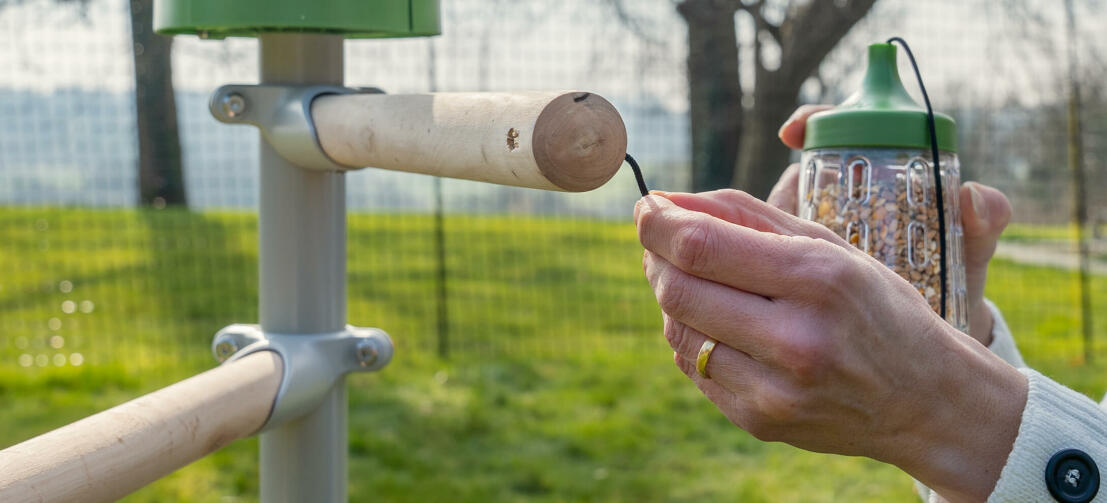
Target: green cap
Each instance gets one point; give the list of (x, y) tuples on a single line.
[(881, 114), (248, 18)]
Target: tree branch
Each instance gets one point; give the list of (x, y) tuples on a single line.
[(813, 30), (633, 24), (755, 11)]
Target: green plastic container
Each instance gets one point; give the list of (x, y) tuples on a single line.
[(249, 18)]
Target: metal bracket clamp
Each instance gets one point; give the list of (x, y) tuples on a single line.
[(312, 363), (283, 113)]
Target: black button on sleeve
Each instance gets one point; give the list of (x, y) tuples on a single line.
[(1072, 476)]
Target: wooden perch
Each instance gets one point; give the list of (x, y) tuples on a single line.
[(568, 141), (111, 454)]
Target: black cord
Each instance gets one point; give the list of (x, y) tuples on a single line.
[(939, 197), (638, 176)]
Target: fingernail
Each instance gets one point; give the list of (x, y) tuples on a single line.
[(637, 206), (659, 193), (978, 205), (788, 122), (780, 132)]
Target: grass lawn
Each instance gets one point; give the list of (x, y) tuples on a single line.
[(558, 387)]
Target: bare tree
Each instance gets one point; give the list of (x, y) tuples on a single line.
[(734, 131), (160, 175), (714, 90)]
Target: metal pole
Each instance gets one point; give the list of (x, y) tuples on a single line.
[(439, 229), (1080, 197), (302, 278)]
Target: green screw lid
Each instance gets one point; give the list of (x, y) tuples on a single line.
[(881, 114), (248, 18)]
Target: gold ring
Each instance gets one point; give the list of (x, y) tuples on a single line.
[(705, 354)]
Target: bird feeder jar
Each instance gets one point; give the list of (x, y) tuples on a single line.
[(867, 173)]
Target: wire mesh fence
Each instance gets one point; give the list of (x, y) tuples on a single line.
[(99, 290)]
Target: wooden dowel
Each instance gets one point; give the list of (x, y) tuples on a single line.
[(570, 141), (111, 454)]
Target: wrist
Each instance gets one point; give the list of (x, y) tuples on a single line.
[(981, 322), (960, 444)]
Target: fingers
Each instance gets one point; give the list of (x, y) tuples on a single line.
[(786, 191), (733, 317), (985, 212), (792, 132), (707, 247), (723, 398), (740, 208), (736, 406), (729, 367)]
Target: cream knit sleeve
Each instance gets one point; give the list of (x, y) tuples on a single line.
[(1055, 419)]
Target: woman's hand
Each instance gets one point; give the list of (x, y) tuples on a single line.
[(823, 347), (985, 212)]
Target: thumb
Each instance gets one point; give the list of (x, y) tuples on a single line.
[(985, 212), (794, 129), (785, 192)]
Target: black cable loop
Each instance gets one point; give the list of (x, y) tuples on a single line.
[(638, 176), (940, 194)]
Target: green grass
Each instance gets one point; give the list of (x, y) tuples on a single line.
[(1028, 233), (559, 386)]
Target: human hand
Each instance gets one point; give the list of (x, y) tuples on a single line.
[(823, 347), (985, 212)]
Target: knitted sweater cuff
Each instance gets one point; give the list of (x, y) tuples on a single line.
[(1055, 418)]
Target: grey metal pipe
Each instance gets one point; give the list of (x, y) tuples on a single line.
[(302, 276)]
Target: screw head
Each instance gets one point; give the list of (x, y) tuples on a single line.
[(234, 104), (367, 353), (225, 349)]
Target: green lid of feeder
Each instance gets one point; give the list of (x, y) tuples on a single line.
[(881, 114), (249, 18)]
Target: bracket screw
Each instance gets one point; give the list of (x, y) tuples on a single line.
[(367, 353), (234, 104), (225, 348)]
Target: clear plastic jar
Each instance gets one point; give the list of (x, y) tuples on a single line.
[(882, 200)]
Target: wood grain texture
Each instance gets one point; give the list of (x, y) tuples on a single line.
[(108, 455), (566, 141), (577, 139)]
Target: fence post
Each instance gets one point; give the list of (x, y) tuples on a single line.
[(1080, 198), (439, 230)]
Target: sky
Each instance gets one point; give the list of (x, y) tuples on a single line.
[(972, 46), (973, 54)]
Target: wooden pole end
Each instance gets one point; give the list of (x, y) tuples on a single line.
[(579, 141)]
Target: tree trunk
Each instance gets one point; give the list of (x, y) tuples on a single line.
[(763, 157), (806, 35), (160, 177), (1079, 193), (714, 91)]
